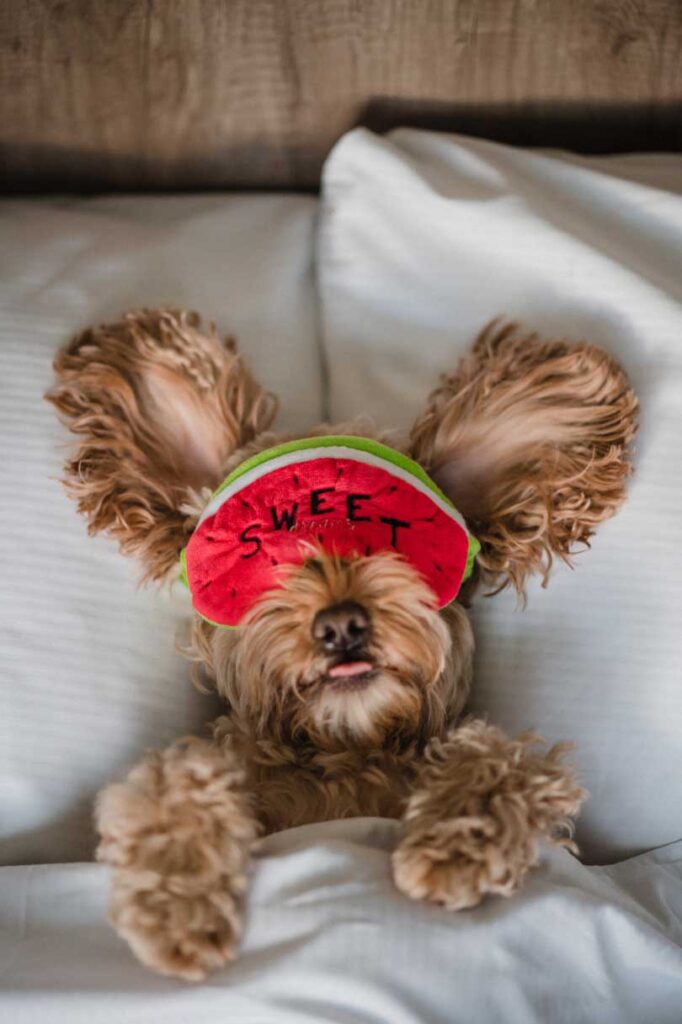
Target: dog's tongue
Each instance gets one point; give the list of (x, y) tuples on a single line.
[(349, 668)]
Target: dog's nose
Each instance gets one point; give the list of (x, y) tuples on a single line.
[(342, 627)]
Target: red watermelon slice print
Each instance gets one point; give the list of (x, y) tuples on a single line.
[(349, 495)]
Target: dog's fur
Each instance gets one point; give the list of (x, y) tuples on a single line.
[(530, 440)]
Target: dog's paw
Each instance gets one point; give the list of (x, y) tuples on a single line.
[(474, 824), (178, 936), (178, 834), (460, 865)]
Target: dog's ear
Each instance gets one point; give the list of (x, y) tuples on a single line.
[(529, 438), (158, 405)]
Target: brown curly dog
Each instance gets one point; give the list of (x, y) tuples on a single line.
[(529, 438)]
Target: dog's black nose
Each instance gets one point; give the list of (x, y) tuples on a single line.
[(342, 627)]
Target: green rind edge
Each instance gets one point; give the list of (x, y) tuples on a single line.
[(363, 444)]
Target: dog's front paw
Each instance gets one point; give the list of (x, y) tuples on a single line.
[(459, 863), (474, 823), (185, 936), (178, 835)]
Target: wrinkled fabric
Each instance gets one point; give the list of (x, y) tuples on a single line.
[(328, 938)]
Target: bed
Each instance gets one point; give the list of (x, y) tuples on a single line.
[(349, 296)]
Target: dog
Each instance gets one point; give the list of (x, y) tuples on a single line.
[(346, 681)]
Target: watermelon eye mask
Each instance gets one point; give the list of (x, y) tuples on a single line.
[(348, 495)]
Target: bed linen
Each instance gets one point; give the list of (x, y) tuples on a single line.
[(90, 675), (423, 239), (329, 939)]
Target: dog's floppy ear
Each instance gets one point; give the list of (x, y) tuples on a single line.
[(529, 438), (158, 404)]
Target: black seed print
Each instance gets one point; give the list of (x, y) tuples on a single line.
[(368, 550), (297, 482), (234, 592), (437, 567), (274, 560)]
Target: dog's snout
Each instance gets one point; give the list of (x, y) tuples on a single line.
[(342, 627)]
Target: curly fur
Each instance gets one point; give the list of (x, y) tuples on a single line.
[(178, 835), (530, 439), (314, 752), (158, 404), (481, 803)]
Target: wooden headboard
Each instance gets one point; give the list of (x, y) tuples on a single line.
[(135, 94)]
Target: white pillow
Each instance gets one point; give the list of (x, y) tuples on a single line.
[(91, 677), (423, 239)]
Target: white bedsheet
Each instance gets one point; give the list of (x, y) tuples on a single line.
[(329, 939)]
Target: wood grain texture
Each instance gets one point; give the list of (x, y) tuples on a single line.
[(233, 93)]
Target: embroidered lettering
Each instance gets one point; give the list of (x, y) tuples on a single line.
[(246, 539), (287, 516), (395, 524), (352, 502), (316, 506)]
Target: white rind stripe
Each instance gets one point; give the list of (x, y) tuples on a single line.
[(327, 452)]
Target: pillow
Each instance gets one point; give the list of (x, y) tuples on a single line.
[(91, 676), (424, 238)]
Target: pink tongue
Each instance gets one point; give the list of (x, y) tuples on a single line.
[(349, 668)]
